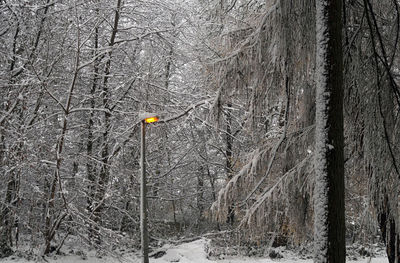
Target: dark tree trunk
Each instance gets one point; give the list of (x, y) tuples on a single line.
[(90, 164), (229, 162), (391, 239), (329, 224), (5, 220), (200, 192)]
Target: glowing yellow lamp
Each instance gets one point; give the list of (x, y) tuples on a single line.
[(151, 119)]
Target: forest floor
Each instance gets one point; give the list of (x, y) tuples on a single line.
[(191, 252)]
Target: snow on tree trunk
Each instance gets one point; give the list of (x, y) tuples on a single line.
[(329, 224)]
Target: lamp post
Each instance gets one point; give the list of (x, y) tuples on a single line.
[(144, 118)]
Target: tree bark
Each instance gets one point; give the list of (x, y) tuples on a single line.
[(229, 162), (5, 219), (329, 224), (104, 173), (387, 224), (90, 165)]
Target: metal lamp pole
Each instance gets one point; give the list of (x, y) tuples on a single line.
[(143, 198), (144, 234)]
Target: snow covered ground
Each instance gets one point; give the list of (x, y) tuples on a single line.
[(193, 252)]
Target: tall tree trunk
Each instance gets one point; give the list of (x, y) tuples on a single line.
[(6, 161), (53, 216), (200, 192), (229, 162), (5, 158), (104, 173), (389, 234), (329, 224), (90, 165), (5, 218)]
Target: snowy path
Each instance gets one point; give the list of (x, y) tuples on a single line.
[(192, 252)]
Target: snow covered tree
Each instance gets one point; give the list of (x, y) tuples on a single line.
[(372, 103), (263, 68)]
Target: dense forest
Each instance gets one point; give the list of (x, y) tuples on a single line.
[(279, 122)]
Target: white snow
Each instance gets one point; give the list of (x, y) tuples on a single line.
[(193, 252), (185, 253)]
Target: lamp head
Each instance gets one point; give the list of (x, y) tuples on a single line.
[(148, 117), (151, 119)]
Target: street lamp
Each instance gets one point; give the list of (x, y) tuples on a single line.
[(145, 117)]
